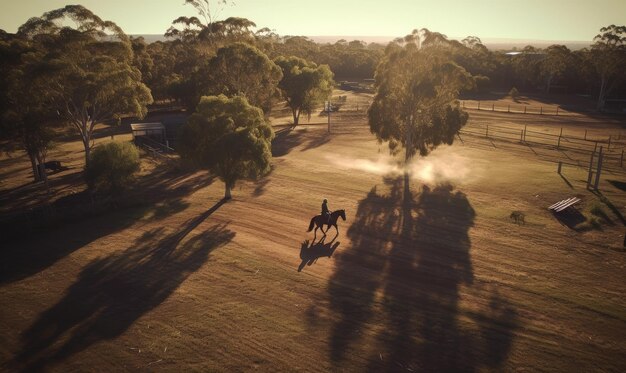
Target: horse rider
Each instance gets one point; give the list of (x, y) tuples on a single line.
[(325, 211)]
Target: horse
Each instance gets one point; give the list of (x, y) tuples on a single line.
[(320, 220)]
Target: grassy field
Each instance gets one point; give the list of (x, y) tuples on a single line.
[(426, 274)]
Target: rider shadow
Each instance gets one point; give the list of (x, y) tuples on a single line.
[(309, 253)]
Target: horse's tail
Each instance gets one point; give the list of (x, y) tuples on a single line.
[(312, 224)]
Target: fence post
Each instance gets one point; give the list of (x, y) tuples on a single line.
[(557, 111), (599, 170), (493, 107), (590, 174), (521, 135), (608, 149), (541, 110), (558, 144), (559, 168), (524, 109), (524, 127), (478, 104), (585, 135), (621, 159)]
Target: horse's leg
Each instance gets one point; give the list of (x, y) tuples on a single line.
[(314, 234)]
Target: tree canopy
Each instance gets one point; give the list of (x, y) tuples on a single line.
[(415, 105), (112, 167), (88, 70), (304, 84), (206, 27), (22, 115), (27, 118), (555, 63), (241, 69), (229, 137), (609, 58)]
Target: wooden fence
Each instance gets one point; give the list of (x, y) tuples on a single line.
[(514, 108), (613, 146)]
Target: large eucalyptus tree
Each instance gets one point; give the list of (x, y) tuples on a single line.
[(417, 84), (228, 137), (87, 70)]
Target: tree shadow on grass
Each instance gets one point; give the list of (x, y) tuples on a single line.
[(36, 240), (317, 142), (618, 184), (36, 251), (285, 140), (111, 293), (412, 253)]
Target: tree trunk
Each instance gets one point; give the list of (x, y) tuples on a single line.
[(87, 150), (33, 164), (408, 142), (296, 116), (600, 104), (227, 190), (42, 172), (549, 84)]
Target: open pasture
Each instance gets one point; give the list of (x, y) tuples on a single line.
[(427, 275)]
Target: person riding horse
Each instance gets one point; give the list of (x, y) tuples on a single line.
[(325, 211)]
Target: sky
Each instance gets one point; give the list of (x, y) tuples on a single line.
[(558, 20)]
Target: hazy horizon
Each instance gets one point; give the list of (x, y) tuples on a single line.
[(491, 43), (535, 20)]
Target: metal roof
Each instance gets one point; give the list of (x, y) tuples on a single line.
[(147, 126)]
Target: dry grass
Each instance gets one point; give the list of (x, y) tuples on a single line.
[(434, 279)]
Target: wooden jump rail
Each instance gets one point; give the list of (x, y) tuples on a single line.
[(564, 204)]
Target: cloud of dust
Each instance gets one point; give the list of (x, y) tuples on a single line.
[(437, 168)]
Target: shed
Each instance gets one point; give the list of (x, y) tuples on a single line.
[(153, 131)]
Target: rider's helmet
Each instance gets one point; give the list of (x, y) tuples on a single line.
[(325, 200)]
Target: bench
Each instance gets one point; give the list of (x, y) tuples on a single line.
[(564, 204)]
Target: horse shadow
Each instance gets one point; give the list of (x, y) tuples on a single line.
[(309, 253)]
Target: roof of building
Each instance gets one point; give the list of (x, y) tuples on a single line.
[(147, 126)]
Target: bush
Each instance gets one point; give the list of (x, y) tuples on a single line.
[(514, 93), (112, 167), (597, 210)]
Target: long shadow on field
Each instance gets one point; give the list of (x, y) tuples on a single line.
[(38, 250), (410, 256), (317, 142), (111, 293), (75, 222), (310, 252), (618, 184), (285, 140)]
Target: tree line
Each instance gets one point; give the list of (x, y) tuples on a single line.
[(93, 72)]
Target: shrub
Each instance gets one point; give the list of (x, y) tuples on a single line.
[(514, 93), (597, 210), (112, 167)]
